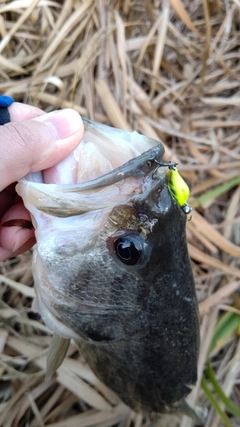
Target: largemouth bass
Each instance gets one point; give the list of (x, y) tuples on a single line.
[(111, 267)]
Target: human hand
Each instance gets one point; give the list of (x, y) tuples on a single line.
[(32, 141)]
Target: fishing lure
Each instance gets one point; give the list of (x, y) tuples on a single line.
[(178, 189)]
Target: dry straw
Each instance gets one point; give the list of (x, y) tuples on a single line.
[(169, 69)]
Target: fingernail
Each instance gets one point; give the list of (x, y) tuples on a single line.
[(64, 122), (22, 240), (24, 247)]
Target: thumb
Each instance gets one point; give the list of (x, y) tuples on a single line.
[(37, 144)]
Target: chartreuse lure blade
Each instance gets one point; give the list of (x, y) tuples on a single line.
[(178, 189)]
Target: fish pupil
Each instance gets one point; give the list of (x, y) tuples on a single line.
[(126, 251)]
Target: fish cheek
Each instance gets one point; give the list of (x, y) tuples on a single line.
[(100, 297)]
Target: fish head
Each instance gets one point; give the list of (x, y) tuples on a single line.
[(74, 222), (111, 267)]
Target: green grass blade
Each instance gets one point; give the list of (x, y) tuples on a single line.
[(231, 407), (215, 404), (212, 194), (226, 327)]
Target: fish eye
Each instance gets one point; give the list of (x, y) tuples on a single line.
[(128, 249)]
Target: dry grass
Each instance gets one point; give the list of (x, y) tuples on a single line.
[(171, 70)]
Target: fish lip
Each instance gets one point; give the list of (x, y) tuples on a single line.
[(137, 167), (49, 198), (155, 193)]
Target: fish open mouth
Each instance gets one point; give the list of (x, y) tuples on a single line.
[(104, 158)]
